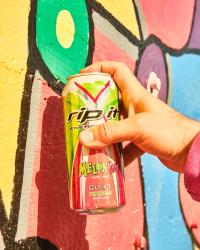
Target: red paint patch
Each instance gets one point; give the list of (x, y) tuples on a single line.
[(170, 20), (49, 214), (105, 49)]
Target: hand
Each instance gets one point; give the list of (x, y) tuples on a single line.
[(152, 126)]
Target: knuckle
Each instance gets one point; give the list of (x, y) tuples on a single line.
[(105, 132)]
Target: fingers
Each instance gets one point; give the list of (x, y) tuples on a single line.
[(124, 78), (103, 66), (109, 133), (119, 71)]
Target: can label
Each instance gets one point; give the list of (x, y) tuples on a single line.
[(95, 176)]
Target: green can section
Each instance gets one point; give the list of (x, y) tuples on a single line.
[(71, 103), (62, 34), (74, 106)]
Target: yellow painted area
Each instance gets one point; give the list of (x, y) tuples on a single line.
[(13, 56), (65, 28), (124, 12), (196, 247)]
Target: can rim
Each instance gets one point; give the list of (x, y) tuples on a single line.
[(90, 73)]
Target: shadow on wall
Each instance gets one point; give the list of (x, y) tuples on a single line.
[(56, 221)]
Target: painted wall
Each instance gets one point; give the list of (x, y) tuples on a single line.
[(44, 41)]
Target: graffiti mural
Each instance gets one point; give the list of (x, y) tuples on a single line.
[(44, 41)]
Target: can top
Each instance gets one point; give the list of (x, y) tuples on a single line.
[(85, 74)]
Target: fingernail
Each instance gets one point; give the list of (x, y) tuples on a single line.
[(87, 136)]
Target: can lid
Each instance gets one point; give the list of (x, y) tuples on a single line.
[(85, 74)]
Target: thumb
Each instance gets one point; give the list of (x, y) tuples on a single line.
[(109, 133)]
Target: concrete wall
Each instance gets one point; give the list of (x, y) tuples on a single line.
[(44, 41)]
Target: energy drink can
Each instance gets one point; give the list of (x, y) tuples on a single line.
[(95, 176)]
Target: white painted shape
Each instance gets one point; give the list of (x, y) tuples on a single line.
[(29, 157), (65, 28)]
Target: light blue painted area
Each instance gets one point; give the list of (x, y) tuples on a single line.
[(186, 84), (166, 227)]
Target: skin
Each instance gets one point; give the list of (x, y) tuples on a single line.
[(151, 125)]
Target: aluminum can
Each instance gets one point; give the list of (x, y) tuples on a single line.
[(95, 176)]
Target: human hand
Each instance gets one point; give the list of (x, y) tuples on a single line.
[(151, 126)]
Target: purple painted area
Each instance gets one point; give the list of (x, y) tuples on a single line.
[(195, 33), (152, 61)]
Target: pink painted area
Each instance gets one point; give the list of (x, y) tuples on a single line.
[(191, 210), (170, 20), (105, 49), (119, 231)]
